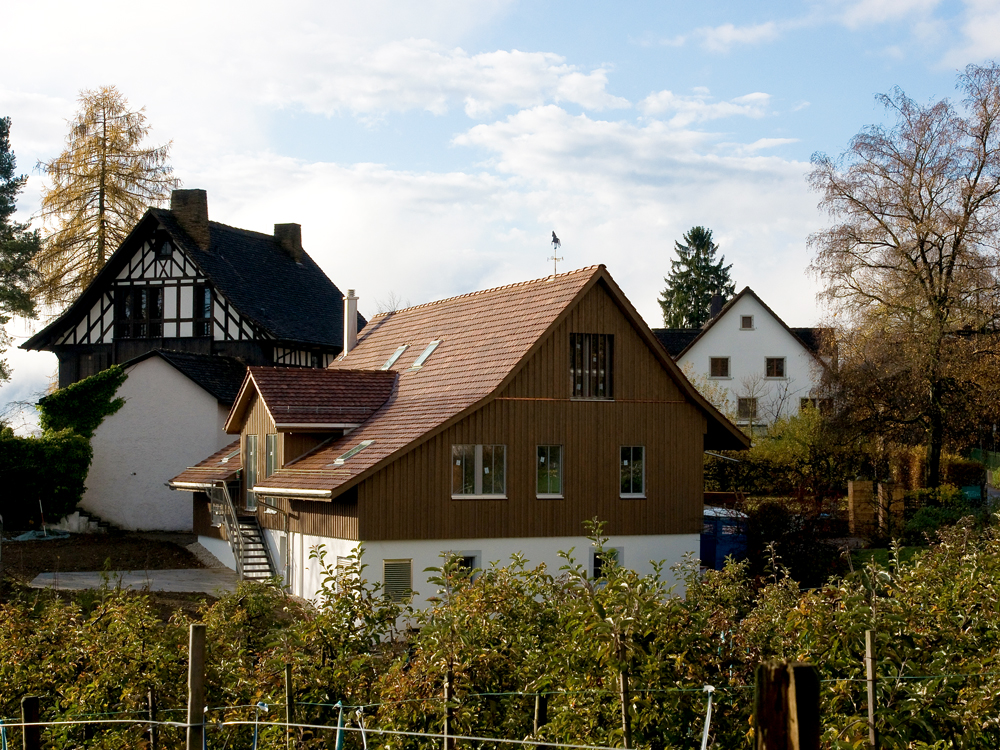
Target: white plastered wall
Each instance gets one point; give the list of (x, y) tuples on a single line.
[(747, 351), (637, 552), (167, 424)]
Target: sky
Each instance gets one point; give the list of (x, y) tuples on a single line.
[(429, 149)]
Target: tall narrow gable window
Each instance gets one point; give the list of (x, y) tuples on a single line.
[(479, 471), (591, 365), (202, 312)]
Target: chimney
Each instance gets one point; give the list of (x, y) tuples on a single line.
[(190, 209), (716, 305), (350, 321), (289, 236)]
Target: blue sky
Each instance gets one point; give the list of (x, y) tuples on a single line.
[(429, 148)]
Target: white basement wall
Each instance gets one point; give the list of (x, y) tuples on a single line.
[(167, 424)]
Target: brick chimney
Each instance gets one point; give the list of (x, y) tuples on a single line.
[(715, 306), (289, 236), (350, 321), (190, 209)]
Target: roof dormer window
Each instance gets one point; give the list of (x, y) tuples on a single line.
[(419, 361)]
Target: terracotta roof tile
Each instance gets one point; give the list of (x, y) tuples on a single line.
[(221, 465), (309, 396)]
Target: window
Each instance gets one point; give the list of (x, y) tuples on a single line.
[(548, 462), (592, 366), (397, 579), (202, 311), (602, 561), (746, 408), (250, 471), (339, 461), (270, 454), (479, 470), (395, 355), (746, 322), (823, 404), (719, 367), (774, 367), (140, 312), (633, 471), (419, 361), (164, 248)]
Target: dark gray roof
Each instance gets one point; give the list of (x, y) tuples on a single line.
[(812, 338), (291, 301), (675, 340), (221, 376)]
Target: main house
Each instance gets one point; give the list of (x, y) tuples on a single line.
[(185, 304), (484, 425), (764, 368)]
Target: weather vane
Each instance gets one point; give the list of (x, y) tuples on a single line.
[(556, 244)]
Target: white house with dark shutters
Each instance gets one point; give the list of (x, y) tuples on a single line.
[(186, 304), (766, 368)]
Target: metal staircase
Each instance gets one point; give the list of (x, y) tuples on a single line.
[(246, 538)]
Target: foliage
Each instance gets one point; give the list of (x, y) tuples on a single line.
[(83, 405), (41, 475), (100, 187), (694, 278), (509, 633), (18, 247), (911, 266)]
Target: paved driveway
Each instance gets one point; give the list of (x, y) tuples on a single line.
[(213, 581)]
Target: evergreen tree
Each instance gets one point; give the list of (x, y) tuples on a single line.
[(694, 277), (18, 247), (101, 186)]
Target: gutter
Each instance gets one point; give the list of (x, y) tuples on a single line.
[(291, 492)]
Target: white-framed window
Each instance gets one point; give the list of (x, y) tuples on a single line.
[(549, 471), (479, 471), (746, 322), (746, 408), (600, 561), (774, 367), (632, 466), (397, 579), (718, 367)]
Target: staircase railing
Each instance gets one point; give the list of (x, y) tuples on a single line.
[(222, 506)]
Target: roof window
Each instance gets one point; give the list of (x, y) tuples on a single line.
[(395, 355), (234, 454), (339, 461), (419, 361)]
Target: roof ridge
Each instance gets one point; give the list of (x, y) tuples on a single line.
[(262, 235), (487, 291)]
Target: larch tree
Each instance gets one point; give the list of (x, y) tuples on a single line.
[(695, 277), (18, 247), (910, 263), (100, 187)]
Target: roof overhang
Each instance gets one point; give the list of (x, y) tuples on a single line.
[(190, 486), (293, 493), (315, 426)]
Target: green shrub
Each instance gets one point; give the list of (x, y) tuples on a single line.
[(82, 406)]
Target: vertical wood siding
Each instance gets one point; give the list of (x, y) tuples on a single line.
[(411, 498)]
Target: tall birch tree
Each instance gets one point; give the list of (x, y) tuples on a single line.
[(911, 263), (101, 185)]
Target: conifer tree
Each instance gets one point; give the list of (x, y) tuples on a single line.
[(101, 186), (694, 277), (18, 247)]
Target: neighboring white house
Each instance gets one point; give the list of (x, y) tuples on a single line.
[(765, 368), (175, 412)]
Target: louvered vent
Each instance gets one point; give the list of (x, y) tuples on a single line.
[(397, 579)]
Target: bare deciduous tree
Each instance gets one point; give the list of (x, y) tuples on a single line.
[(912, 255), (100, 187)]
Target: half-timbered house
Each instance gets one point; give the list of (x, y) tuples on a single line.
[(180, 283), (488, 424)]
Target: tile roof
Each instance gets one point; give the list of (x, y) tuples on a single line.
[(484, 335), (293, 302), (219, 375), (221, 465), (315, 397)]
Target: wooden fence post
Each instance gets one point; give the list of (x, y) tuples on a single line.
[(786, 707), (871, 679), (541, 715), (151, 699), (289, 707), (196, 688), (29, 715)]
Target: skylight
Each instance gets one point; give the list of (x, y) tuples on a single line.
[(352, 452), (395, 355), (234, 454), (419, 361)]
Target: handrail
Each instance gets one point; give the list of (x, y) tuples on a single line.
[(232, 523)]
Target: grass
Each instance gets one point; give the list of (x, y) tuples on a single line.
[(882, 556)]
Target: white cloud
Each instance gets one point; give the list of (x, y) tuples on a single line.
[(722, 38), (860, 13), (699, 107), (981, 28)]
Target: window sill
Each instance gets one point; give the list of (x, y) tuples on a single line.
[(633, 496), (720, 377), (540, 496), (776, 377), (478, 497)]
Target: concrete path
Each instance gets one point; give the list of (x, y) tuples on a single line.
[(213, 581)]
